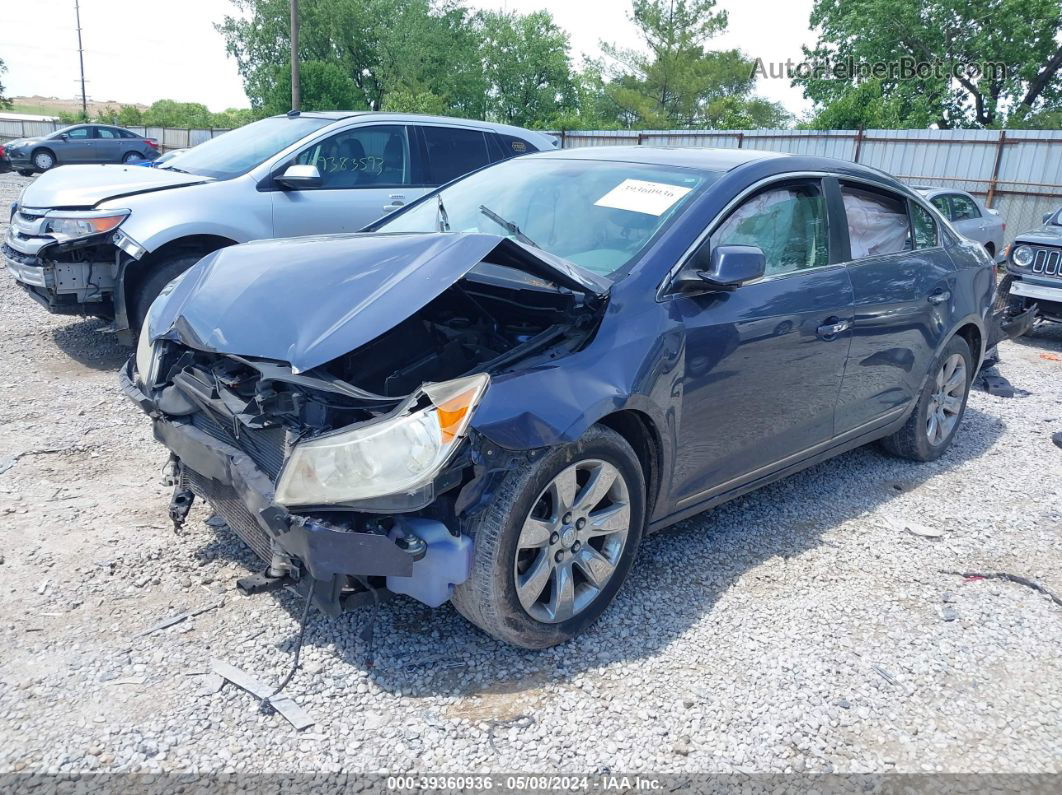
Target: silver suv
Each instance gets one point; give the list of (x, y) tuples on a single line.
[(105, 240)]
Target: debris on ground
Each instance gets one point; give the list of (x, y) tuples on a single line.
[(177, 619), (973, 576), (285, 705)]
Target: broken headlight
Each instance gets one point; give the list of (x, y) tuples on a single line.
[(72, 225), (148, 358), (392, 455)]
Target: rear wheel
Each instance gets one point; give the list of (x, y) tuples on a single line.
[(44, 159), (162, 273), (938, 413), (556, 542), (132, 158)]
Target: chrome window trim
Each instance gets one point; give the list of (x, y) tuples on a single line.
[(662, 289)]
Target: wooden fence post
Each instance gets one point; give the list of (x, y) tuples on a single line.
[(995, 168), (741, 140), (858, 144)]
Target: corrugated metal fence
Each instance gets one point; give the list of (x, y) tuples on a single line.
[(1018, 172)]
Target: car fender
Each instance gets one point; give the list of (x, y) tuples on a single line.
[(232, 209)]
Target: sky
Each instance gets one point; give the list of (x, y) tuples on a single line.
[(177, 54)]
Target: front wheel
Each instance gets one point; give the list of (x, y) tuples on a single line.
[(936, 417), (162, 273), (556, 542)]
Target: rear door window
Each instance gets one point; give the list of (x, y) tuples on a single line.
[(453, 151), (877, 222), (107, 133), (963, 208)]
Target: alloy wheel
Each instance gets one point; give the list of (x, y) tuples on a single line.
[(945, 404), (572, 541)]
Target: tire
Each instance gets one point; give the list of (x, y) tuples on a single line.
[(503, 554), (44, 159), (914, 440), (133, 157), (162, 273), (25, 172)]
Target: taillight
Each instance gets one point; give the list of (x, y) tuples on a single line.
[(1, 151), (152, 143)]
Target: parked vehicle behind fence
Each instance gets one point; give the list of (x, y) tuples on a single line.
[(970, 217), (104, 240), (493, 394), (1034, 269), (79, 144)]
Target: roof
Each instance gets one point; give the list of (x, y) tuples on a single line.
[(541, 139), (929, 190), (704, 159)]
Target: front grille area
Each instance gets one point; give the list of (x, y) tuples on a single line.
[(229, 507), (265, 446), (1047, 262)]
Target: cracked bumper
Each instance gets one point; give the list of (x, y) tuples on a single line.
[(243, 495), (63, 287)]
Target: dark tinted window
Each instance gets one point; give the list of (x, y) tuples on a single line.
[(453, 152), (513, 146), (877, 222)]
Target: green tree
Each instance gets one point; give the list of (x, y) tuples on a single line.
[(675, 82), (867, 106), (412, 48), (4, 101), (1016, 44), (324, 86), (525, 60)]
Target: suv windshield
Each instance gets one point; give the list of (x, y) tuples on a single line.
[(598, 215), (239, 150)]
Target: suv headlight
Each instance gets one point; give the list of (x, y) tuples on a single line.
[(1022, 256), (392, 455), (70, 226)]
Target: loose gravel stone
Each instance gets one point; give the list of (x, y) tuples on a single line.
[(749, 638)]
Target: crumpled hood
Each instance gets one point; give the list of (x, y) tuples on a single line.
[(86, 186), (1046, 235), (308, 300)]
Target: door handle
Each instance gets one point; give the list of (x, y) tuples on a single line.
[(397, 200), (939, 297), (832, 327)]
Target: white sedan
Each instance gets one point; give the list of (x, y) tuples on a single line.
[(969, 216)]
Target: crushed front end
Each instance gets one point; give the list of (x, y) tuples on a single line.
[(67, 261), (358, 474)]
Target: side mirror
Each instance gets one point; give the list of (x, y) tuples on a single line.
[(727, 267), (63, 136), (299, 177)]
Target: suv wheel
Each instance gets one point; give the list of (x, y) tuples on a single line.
[(162, 273), (938, 413), (556, 542), (43, 159)]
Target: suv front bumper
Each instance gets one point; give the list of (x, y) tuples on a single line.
[(63, 285)]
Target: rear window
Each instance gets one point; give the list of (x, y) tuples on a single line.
[(453, 151)]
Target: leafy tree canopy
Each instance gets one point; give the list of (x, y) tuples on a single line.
[(1021, 38)]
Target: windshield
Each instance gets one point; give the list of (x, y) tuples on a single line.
[(239, 150), (598, 215)]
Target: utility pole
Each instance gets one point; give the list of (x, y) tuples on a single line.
[(296, 99), (81, 58)]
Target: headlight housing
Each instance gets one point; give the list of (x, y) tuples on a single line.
[(148, 358), (389, 456), (1022, 256), (73, 225)]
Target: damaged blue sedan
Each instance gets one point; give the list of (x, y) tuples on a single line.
[(490, 396)]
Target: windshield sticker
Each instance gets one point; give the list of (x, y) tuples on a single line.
[(639, 196)]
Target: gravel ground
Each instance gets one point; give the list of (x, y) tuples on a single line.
[(800, 628)]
